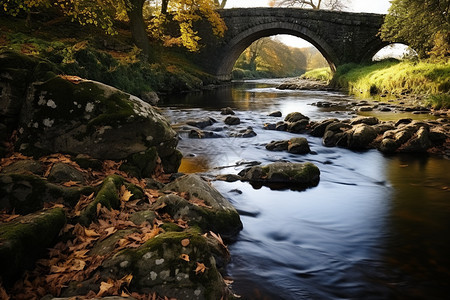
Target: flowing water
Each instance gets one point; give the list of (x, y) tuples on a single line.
[(375, 227)]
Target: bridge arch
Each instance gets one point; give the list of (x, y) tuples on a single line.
[(341, 37), (243, 40)]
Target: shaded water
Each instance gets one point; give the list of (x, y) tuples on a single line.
[(375, 227)]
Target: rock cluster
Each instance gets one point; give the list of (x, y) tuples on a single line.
[(79, 184)]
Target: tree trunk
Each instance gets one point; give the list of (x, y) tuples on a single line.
[(164, 5), (137, 26)]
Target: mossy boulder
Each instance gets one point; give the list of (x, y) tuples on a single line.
[(217, 214), (26, 193), (108, 196), (294, 175), (26, 166), (73, 115), (26, 239), (163, 265)]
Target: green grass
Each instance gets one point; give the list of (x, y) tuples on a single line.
[(425, 78), (323, 74)]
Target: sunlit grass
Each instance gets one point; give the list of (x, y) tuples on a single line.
[(323, 74), (426, 78)]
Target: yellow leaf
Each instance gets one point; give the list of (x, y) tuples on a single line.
[(184, 257), (127, 279), (125, 194), (200, 268)]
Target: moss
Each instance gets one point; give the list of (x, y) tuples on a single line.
[(26, 239), (169, 226), (137, 191), (142, 164), (27, 193), (108, 196)]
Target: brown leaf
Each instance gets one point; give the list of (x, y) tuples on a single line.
[(90, 233), (104, 287), (71, 183), (201, 268), (78, 265), (11, 217), (184, 257), (185, 242)]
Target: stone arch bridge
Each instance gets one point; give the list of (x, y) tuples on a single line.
[(341, 37)]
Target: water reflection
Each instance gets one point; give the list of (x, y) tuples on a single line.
[(375, 227)]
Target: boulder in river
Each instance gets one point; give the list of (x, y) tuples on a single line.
[(294, 175), (232, 120)]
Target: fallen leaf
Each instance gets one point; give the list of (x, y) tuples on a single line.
[(71, 183), (185, 242), (110, 230), (127, 279), (184, 257), (78, 265), (90, 233), (73, 79), (201, 268), (125, 194), (104, 287), (11, 217)]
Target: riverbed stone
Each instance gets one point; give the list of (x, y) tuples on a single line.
[(232, 120), (275, 114), (227, 111), (298, 174), (318, 128), (298, 145), (364, 120), (278, 145), (244, 133), (201, 123), (26, 239), (219, 214), (360, 136), (420, 142), (295, 116), (298, 126)]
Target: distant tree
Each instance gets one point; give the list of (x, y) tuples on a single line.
[(314, 4), (424, 25), (270, 57)]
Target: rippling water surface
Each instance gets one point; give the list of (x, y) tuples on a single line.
[(375, 227)]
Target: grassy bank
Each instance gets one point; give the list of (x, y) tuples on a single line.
[(323, 74), (429, 80)]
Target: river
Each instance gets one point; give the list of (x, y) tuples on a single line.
[(375, 227)]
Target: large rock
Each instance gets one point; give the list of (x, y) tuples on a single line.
[(217, 214), (174, 264), (82, 116), (294, 117), (360, 136), (296, 174), (26, 239)]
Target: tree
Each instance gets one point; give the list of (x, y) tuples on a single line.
[(424, 25), (314, 4), (103, 13), (185, 13)]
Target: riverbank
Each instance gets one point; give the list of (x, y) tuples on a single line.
[(424, 83)]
